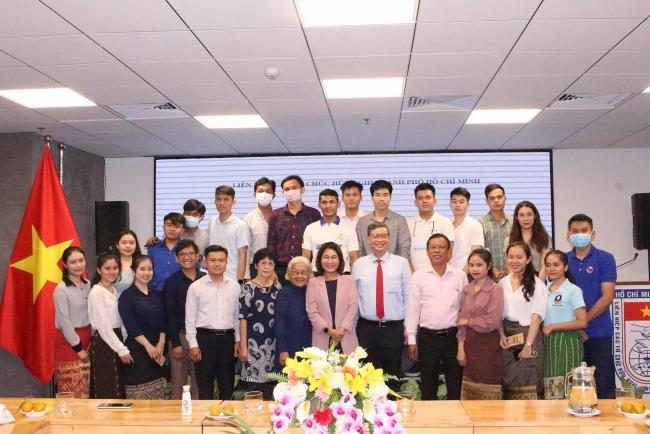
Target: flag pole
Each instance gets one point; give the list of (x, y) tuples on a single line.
[(61, 147)]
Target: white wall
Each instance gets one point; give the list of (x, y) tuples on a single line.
[(597, 182), (132, 180), (600, 183)]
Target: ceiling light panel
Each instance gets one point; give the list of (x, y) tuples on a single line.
[(42, 98), (364, 88), (318, 13), (502, 116), (236, 121)]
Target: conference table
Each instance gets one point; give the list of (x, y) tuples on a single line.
[(437, 417)]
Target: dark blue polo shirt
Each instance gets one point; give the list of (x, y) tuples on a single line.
[(597, 267)]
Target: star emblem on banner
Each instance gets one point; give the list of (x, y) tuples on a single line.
[(646, 311), (43, 264)]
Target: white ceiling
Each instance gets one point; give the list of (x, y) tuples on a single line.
[(208, 57)]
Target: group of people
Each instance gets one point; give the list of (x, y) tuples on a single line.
[(487, 302)]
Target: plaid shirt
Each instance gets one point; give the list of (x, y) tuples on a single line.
[(286, 230), (495, 234)]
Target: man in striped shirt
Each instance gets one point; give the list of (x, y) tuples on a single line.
[(496, 228)]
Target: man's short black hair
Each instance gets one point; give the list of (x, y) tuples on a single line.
[(194, 205), (328, 192), (581, 218), (460, 191), (424, 187), (213, 249), (225, 189), (351, 184), (493, 187), (434, 236), (175, 217), (263, 181), (290, 177), (184, 244), (381, 184)]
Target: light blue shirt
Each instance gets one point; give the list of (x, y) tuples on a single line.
[(397, 283), (561, 304)]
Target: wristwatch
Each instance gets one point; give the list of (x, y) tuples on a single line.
[(529, 344), (240, 281), (326, 329)]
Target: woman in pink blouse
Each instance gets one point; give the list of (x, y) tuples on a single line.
[(479, 320)]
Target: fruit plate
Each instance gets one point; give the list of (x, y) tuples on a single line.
[(35, 413), (635, 415), (220, 417), (596, 412)]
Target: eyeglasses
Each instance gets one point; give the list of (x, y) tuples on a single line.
[(186, 254), (379, 236), (299, 272), (266, 264)]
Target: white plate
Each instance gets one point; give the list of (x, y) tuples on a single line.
[(35, 413), (634, 415), (220, 417), (592, 414)]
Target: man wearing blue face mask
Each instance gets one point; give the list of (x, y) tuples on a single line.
[(594, 271)]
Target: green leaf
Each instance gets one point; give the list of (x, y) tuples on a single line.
[(282, 378)]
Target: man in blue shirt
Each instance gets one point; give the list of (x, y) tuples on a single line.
[(594, 271), (163, 254)]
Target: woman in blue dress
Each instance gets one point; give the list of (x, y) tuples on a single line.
[(256, 326)]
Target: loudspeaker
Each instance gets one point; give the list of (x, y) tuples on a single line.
[(641, 221), (110, 219)]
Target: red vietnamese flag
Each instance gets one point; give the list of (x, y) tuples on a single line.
[(27, 310), (636, 311)]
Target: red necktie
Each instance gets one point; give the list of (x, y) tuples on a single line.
[(380, 290)]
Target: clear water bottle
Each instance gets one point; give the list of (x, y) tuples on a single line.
[(186, 401)]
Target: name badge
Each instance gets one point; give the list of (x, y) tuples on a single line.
[(513, 340), (419, 246)]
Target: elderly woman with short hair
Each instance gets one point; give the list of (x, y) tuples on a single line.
[(292, 325)]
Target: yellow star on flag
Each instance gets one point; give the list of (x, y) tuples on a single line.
[(43, 264), (646, 311)]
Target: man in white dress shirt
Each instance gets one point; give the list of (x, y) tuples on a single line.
[(212, 326), (426, 223), (469, 232), (351, 197), (258, 221), (431, 321)]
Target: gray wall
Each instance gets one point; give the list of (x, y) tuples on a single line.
[(83, 183)]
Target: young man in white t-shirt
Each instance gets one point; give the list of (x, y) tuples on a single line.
[(469, 232)]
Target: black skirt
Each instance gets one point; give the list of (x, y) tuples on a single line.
[(106, 381), (143, 369)]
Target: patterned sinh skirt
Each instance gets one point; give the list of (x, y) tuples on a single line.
[(564, 351), (482, 372), (105, 369), (522, 379), (71, 374), (144, 377)]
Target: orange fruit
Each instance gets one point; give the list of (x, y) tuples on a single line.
[(27, 406), (39, 406), (214, 410), (229, 408), (639, 408)]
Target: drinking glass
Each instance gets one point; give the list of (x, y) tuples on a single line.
[(405, 402), (64, 402), (253, 402)]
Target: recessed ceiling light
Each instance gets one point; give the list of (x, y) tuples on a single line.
[(46, 98), (316, 13), (647, 90), (501, 116), (238, 121), (364, 88)]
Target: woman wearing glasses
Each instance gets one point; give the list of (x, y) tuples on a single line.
[(292, 325), (256, 326)]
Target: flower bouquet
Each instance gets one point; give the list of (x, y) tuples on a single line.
[(330, 393)]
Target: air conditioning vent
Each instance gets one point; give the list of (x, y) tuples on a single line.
[(439, 103), (147, 111), (589, 100)]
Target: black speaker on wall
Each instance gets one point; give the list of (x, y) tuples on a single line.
[(111, 217), (641, 221)]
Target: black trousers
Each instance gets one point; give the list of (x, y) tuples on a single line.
[(433, 348), (217, 361), (281, 271), (598, 353), (383, 345)]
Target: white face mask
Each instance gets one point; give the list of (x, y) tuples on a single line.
[(264, 199), (192, 222), (293, 196)]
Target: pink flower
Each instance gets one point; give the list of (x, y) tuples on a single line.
[(320, 394), (280, 423), (339, 410), (355, 414)]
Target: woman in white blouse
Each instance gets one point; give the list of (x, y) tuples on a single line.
[(521, 340), (107, 349), (72, 368)]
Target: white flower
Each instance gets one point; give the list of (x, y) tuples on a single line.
[(302, 411), (359, 353), (314, 352), (368, 410), (380, 390), (336, 380), (299, 392), (352, 362)]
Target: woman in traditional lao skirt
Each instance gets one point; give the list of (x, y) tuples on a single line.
[(565, 316), (479, 321), (143, 313), (524, 308), (72, 325), (107, 351)]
